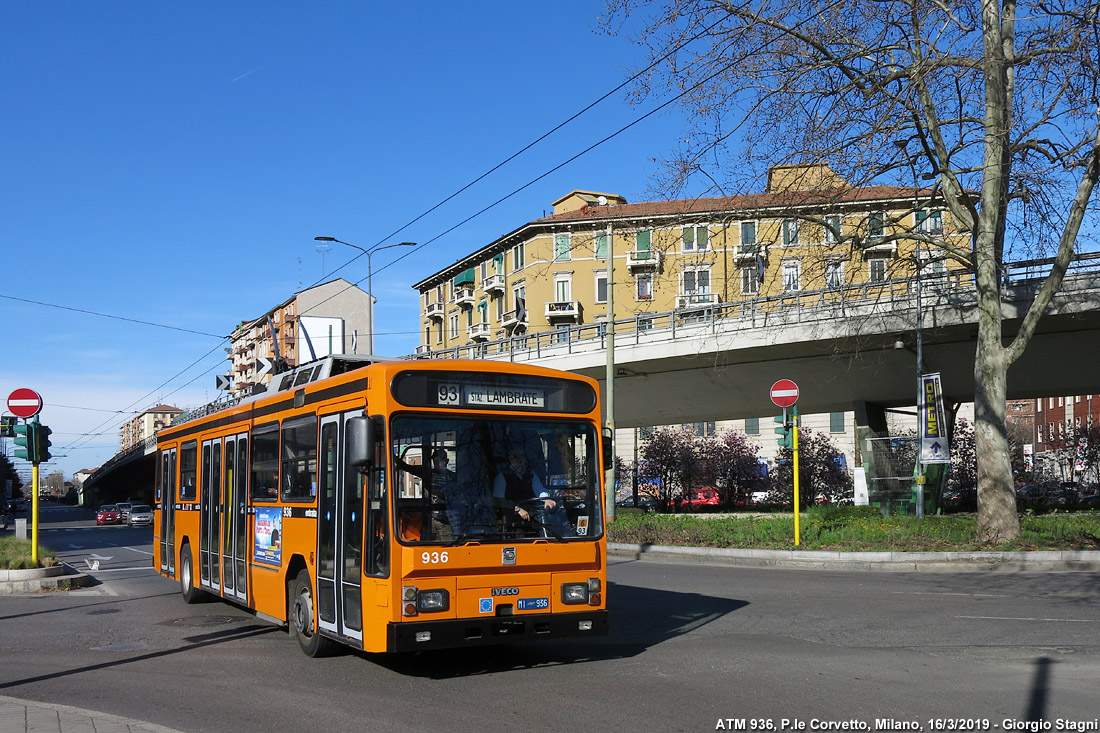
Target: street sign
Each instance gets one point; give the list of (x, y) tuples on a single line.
[(24, 402), (266, 365), (784, 393)]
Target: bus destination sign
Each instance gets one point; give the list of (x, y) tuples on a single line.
[(476, 395)]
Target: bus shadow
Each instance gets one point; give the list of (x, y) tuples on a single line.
[(640, 618)]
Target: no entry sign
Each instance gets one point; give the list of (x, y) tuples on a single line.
[(784, 393), (24, 402)]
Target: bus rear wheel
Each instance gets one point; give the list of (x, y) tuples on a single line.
[(190, 593), (300, 618)]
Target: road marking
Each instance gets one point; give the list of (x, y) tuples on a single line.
[(124, 570), (965, 595), (1024, 618), (140, 552)]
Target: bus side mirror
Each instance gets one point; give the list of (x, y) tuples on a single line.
[(359, 433), (608, 446)]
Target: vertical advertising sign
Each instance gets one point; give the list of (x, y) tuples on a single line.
[(934, 447), (267, 542)]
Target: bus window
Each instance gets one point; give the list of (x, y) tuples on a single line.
[(300, 459), (265, 463), (372, 477), (189, 468), (493, 479)]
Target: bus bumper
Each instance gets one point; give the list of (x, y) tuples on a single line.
[(465, 632)]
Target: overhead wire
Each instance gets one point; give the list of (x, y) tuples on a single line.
[(420, 246)]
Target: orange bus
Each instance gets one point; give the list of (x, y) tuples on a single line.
[(394, 505)]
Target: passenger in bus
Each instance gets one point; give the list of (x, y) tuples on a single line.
[(465, 511)]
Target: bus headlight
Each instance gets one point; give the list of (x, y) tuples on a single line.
[(574, 593), (431, 601)]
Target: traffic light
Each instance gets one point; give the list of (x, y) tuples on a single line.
[(784, 433), (25, 442), (42, 443), (7, 426)]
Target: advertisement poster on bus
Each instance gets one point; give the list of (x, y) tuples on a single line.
[(934, 447), (267, 543)]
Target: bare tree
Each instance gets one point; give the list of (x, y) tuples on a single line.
[(991, 105)]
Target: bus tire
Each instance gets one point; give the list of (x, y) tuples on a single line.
[(190, 593), (300, 615)]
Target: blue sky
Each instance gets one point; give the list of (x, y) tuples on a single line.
[(173, 162)]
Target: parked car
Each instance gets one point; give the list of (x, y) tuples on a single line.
[(706, 496), (124, 509), (648, 504), (108, 514), (140, 514)]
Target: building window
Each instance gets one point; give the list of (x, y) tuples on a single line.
[(643, 287), (601, 246), (834, 274), (517, 257), (696, 282), (439, 332), (792, 276), (750, 280), (876, 269), (561, 246), (563, 288), (832, 228), (875, 227), (642, 242), (696, 238), (645, 323), (836, 422), (453, 319), (790, 232), (701, 429), (752, 426), (748, 234), (930, 222), (601, 287)]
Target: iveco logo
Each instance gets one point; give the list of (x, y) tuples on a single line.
[(505, 591)]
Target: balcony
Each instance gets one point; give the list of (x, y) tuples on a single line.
[(747, 253), (464, 297), (563, 310), (512, 319), (493, 284), (641, 259), (479, 332), (435, 310), (879, 248), (695, 300)]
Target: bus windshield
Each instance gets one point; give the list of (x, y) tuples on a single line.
[(489, 479)]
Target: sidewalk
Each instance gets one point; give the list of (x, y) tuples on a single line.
[(1041, 561), (26, 716)]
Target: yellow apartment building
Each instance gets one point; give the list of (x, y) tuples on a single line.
[(808, 231)]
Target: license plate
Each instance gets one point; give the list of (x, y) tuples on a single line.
[(533, 604)]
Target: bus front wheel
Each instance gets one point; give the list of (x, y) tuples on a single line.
[(300, 618)]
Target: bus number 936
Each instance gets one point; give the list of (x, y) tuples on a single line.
[(433, 558)]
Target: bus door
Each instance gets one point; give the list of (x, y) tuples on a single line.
[(210, 508), (339, 534), (168, 511), (234, 510)]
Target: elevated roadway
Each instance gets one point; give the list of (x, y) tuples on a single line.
[(845, 346)]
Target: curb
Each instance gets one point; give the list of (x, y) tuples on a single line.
[(39, 580), (1042, 561)]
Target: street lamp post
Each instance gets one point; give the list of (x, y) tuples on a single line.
[(370, 288)]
